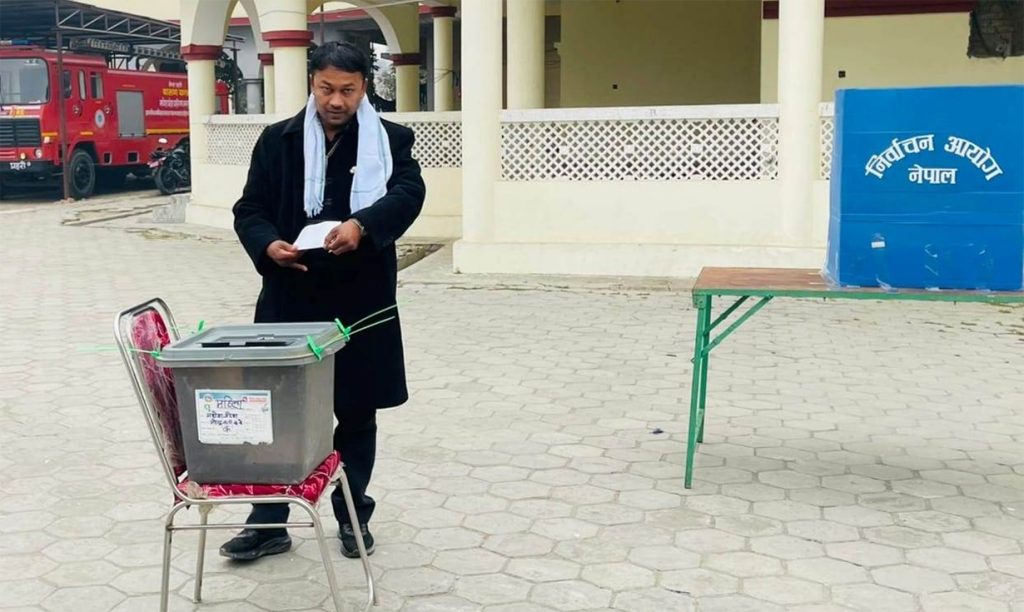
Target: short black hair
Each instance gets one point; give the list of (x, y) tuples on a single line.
[(341, 55)]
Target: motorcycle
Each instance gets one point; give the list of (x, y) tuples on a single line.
[(171, 168)]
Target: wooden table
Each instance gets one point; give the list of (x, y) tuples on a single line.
[(770, 283)]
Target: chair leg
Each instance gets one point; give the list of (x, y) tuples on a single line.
[(204, 513), (346, 492), (332, 579), (165, 576)]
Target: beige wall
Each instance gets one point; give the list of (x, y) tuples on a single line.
[(593, 212), (698, 223), (893, 51), (441, 216), (659, 52)]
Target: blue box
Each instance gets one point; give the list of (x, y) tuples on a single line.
[(928, 188)]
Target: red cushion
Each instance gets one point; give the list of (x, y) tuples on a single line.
[(310, 489), (149, 333)]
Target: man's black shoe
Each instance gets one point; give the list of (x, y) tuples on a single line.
[(252, 544), (348, 541)]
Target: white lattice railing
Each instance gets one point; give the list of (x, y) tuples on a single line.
[(722, 143), (735, 142), (828, 128), (438, 137), (656, 143), (230, 138)]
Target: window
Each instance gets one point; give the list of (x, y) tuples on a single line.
[(81, 84), (96, 81), (67, 84), (23, 81)]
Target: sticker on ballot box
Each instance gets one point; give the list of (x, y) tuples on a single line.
[(234, 417)]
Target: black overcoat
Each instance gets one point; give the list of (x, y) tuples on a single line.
[(370, 369)]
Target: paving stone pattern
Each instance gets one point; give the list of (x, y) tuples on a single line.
[(859, 456)]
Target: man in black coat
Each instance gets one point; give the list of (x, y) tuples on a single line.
[(353, 276)]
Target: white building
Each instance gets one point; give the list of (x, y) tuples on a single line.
[(637, 137)]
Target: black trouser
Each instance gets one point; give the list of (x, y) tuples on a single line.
[(355, 438)]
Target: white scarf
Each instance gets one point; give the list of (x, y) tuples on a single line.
[(373, 160)]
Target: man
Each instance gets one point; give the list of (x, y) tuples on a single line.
[(302, 172)]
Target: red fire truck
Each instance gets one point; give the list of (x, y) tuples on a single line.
[(114, 119)]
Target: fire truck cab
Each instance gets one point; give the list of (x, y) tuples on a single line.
[(114, 119)]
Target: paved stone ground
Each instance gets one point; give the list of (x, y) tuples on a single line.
[(858, 456)]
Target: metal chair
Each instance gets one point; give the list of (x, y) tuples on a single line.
[(141, 332)]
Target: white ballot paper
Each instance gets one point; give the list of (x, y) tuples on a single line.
[(313, 236)]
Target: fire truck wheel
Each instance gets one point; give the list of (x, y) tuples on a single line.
[(83, 175)]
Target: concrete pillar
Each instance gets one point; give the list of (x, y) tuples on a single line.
[(290, 69), (481, 108), (404, 49), (267, 60), (286, 30), (407, 81), (202, 94), (525, 54), (444, 77), (801, 43)]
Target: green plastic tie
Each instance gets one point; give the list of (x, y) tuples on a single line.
[(318, 351), (202, 324), (333, 341), (372, 315), (366, 327), (346, 332)]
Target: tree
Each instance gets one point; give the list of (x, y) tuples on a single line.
[(385, 80)]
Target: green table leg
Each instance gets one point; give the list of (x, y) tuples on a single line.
[(700, 356), (704, 371), (702, 346)]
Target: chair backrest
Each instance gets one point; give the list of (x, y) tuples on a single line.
[(140, 330)]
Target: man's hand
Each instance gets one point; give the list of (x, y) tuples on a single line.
[(343, 238), (285, 255)]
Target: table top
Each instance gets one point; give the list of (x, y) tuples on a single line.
[(807, 283)]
